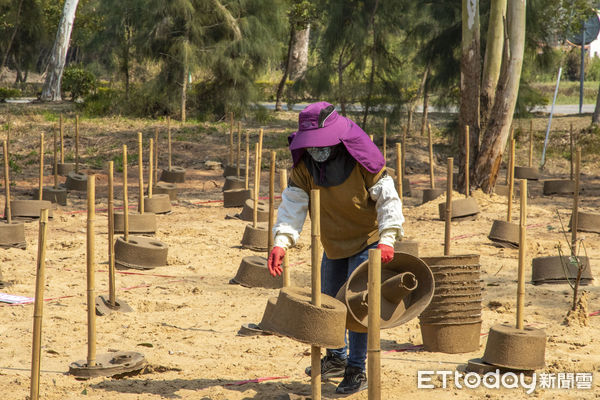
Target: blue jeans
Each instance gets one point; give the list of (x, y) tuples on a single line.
[(334, 273)]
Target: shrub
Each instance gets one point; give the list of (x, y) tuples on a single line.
[(78, 81), (5, 93), (527, 99), (593, 71), (104, 101), (262, 114), (573, 64)]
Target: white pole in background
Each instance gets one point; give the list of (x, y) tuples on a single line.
[(543, 161)]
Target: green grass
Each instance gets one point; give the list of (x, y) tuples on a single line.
[(568, 92), (118, 161), (98, 162), (49, 116)]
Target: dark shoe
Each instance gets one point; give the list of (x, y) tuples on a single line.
[(354, 381), (331, 367)]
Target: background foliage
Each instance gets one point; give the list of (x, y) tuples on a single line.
[(133, 56)]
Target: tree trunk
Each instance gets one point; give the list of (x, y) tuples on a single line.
[(184, 91), (17, 63), (286, 70), (498, 129), (425, 105), (11, 40), (372, 75), (369, 92), (126, 53), (596, 116), (492, 59), (340, 71), (299, 59), (51, 89), (411, 106), (470, 78)]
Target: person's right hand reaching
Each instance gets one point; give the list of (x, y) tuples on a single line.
[(275, 260)]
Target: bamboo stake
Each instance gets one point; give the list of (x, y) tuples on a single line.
[(512, 135), (239, 149), (111, 236), (575, 218), (271, 203), (448, 207), (399, 169), (511, 180), (8, 215), (247, 166), (125, 200), (8, 132), (315, 351), (404, 152), (530, 143), (373, 327), (285, 264), (572, 140), (55, 161), (256, 181), (169, 139), (431, 172), (91, 296), (522, 253), (41, 185), (62, 140), (385, 139), (156, 155), (150, 169), (467, 164), (76, 143), (141, 174), (38, 307), (409, 120), (260, 147), (246, 172), (231, 138), (574, 225)]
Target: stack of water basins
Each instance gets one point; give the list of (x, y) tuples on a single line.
[(452, 321)]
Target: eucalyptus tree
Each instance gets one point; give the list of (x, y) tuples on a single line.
[(51, 90), (493, 58), (496, 134), (470, 83)]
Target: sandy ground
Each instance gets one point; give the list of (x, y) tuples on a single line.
[(186, 314)]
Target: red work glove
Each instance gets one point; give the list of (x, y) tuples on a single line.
[(387, 252), (275, 259)]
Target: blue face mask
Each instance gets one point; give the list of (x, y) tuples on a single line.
[(319, 154)]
